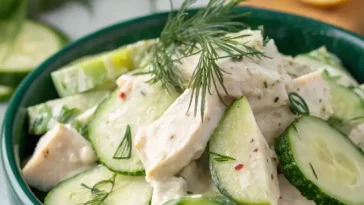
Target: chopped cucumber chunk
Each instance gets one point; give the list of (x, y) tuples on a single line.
[(321, 59), (201, 200), (94, 71), (35, 43), (44, 116), (323, 56), (348, 108), (127, 190), (322, 163), (251, 176), (5, 93), (136, 103)]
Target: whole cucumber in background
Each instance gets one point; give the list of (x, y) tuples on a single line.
[(35, 7), (26, 39), (7, 7)]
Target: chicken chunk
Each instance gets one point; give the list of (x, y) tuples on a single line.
[(316, 93), (177, 137), (59, 154), (357, 136)]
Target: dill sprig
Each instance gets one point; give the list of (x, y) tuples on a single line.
[(221, 158), (100, 191), (204, 33), (68, 114), (124, 149)]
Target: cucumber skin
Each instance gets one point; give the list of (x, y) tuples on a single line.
[(223, 190), (294, 175), (220, 188), (129, 173), (13, 78)]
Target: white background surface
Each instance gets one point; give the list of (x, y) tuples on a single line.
[(76, 22)]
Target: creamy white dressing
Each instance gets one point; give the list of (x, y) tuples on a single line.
[(168, 189), (295, 68), (272, 123), (198, 177), (60, 154), (357, 136)]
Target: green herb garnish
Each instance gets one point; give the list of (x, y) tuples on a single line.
[(68, 114), (125, 147), (298, 104), (40, 123), (202, 34), (221, 158), (313, 171), (100, 191), (80, 127), (266, 38)]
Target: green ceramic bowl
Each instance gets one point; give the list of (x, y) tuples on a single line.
[(292, 34)]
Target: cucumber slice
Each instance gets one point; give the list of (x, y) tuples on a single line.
[(323, 56), (252, 177), (5, 93), (93, 71), (323, 164), (128, 190), (43, 117), (35, 43), (139, 105), (201, 200), (348, 108)]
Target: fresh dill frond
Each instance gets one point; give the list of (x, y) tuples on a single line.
[(205, 33), (124, 149), (68, 114), (100, 191), (221, 158)]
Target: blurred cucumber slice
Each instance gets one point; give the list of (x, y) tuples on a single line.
[(5, 93), (33, 45), (7, 7), (93, 71)]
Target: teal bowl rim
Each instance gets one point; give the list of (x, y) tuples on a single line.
[(13, 175)]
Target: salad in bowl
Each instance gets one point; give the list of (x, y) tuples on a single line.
[(208, 113)]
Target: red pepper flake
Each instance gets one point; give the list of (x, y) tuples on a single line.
[(122, 95), (255, 150), (239, 167)]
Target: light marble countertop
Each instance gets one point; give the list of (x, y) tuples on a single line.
[(76, 22)]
